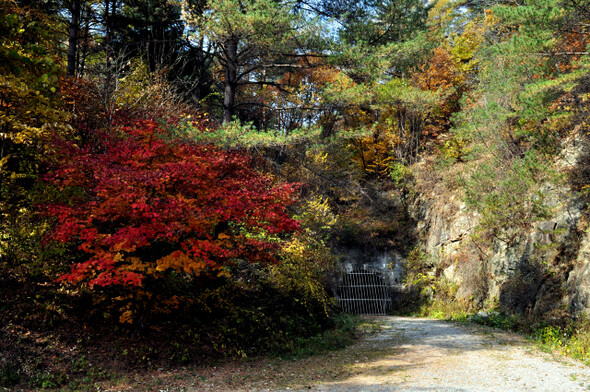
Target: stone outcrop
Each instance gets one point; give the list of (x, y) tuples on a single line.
[(545, 270)]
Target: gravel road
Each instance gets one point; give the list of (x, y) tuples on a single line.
[(405, 354), (432, 355)]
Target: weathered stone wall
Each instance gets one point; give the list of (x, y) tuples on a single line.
[(545, 270)]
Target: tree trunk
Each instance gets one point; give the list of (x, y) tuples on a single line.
[(85, 43), (109, 12), (231, 80), (73, 38)]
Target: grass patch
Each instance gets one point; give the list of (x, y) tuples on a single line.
[(513, 323), (443, 310), (345, 331), (573, 340)]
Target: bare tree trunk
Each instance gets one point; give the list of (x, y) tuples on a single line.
[(85, 43), (109, 12), (73, 38), (231, 80)]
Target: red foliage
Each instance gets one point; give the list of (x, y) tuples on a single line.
[(144, 205)]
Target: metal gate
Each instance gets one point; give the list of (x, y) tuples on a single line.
[(364, 292)]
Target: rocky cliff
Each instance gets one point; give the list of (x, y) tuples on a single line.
[(544, 270)]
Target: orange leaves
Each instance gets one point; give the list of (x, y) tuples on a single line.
[(571, 46), (298, 95), (137, 265), (312, 71), (179, 261), (439, 73), (223, 236), (126, 317)]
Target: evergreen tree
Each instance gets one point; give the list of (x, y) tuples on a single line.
[(250, 39)]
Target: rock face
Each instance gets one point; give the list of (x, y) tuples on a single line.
[(545, 270)]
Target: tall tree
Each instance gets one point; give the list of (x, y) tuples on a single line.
[(374, 23), (74, 8), (152, 29), (250, 38)]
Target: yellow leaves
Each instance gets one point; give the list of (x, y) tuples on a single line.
[(4, 160), (318, 157), (455, 149), (490, 19), (374, 153), (343, 87), (316, 215), (26, 114), (466, 45), (445, 15), (295, 248)]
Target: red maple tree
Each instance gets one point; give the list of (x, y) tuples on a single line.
[(145, 204)]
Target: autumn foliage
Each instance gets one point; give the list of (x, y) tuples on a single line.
[(144, 204), (442, 76)]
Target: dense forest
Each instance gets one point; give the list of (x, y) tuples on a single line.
[(190, 171)]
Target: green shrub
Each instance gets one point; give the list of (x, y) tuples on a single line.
[(400, 174), (9, 375), (572, 340), (508, 197), (47, 380), (339, 336)]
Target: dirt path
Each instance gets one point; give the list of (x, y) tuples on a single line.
[(431, 355), (407, 354)]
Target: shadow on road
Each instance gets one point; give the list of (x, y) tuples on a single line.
[(379, 362), (405, 354)]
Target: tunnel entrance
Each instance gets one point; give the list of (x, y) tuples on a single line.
[(364, 292)]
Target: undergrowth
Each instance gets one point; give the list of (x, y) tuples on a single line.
[(571, 339), (344, 333)]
